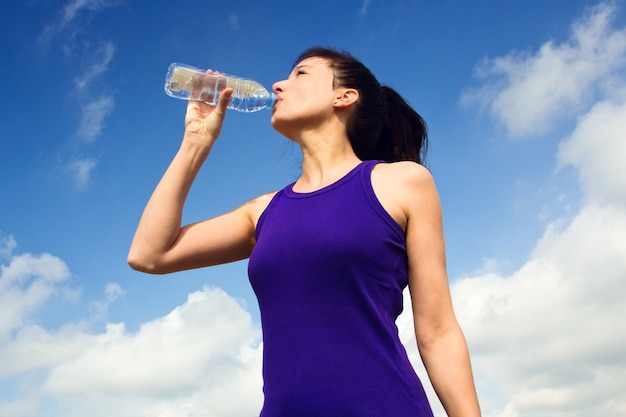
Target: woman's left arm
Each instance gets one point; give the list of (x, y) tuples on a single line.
[(440, 339)]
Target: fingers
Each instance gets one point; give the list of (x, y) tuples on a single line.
[(224, 99), (198, 83)]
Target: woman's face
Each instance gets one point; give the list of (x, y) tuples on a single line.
[(305, 97)]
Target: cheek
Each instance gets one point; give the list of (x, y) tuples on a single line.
[(317, 101), (301, 105)]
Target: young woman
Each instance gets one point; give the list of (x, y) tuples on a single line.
[(331, 253)]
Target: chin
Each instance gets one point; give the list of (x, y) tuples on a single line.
[(282, 126), (277, 121)]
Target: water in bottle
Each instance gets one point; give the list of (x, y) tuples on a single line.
[(189, 83)]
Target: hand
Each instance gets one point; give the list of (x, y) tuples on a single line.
[(203, 122)]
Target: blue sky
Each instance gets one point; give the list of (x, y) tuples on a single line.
[(526, 106)]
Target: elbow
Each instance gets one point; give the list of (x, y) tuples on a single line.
[(430, 337), (143, 263), (138, 266)]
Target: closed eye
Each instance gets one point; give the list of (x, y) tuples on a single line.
[(299, 70)]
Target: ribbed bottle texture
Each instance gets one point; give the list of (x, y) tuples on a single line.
[(189, 83)]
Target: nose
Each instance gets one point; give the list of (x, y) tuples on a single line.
[(277, 87)]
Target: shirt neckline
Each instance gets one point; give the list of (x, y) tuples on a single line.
[(289, 192)]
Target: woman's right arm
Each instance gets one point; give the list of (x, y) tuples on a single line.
[(160, 244)]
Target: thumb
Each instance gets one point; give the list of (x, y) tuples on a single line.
[(225, 96)]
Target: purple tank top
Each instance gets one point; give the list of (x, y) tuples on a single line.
[(328, 269)]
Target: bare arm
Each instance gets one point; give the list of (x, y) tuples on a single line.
[(440, 339), (160, 244)]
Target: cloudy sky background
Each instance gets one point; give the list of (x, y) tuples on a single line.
[(526, 104)]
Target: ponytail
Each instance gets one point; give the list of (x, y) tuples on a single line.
[(382, 126), (404, 136), (390, 130)]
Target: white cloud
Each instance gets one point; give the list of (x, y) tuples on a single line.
[(105, 54), (93, 115), (94, 107), (548, 334), (80, 170), (112, 292), (364, 7), (94, 112), (26, 283), (16, 408), (597, 149), (68, 15), (168, 356), (233, 21), (527, 92), (547, 339), (202, 358), (32, 349), (7, 245), (74, 7)]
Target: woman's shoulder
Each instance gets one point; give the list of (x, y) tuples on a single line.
[(404, 173), (257, 205), (399, 186)]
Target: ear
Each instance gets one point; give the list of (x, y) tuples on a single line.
[(345, 97)]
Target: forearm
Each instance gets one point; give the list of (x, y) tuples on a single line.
[(448, 365), (160, 223)]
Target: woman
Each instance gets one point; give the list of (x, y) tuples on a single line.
[(331, 253)]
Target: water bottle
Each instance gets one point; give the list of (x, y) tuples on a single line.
[(189, 83)]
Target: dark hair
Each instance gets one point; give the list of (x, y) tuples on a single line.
[(383, 125)]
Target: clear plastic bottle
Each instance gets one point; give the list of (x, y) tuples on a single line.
[(189, 83)]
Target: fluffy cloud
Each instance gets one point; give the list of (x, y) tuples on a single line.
[(547, 339), (526, 92), (186, 363), (202, 358), (26, 283), (548, 333), (167, 356), (597, 149)]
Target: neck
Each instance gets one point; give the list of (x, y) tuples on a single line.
[(326, 151), (325, 159)]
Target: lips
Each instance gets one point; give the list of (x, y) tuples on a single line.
[(277, 100)]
